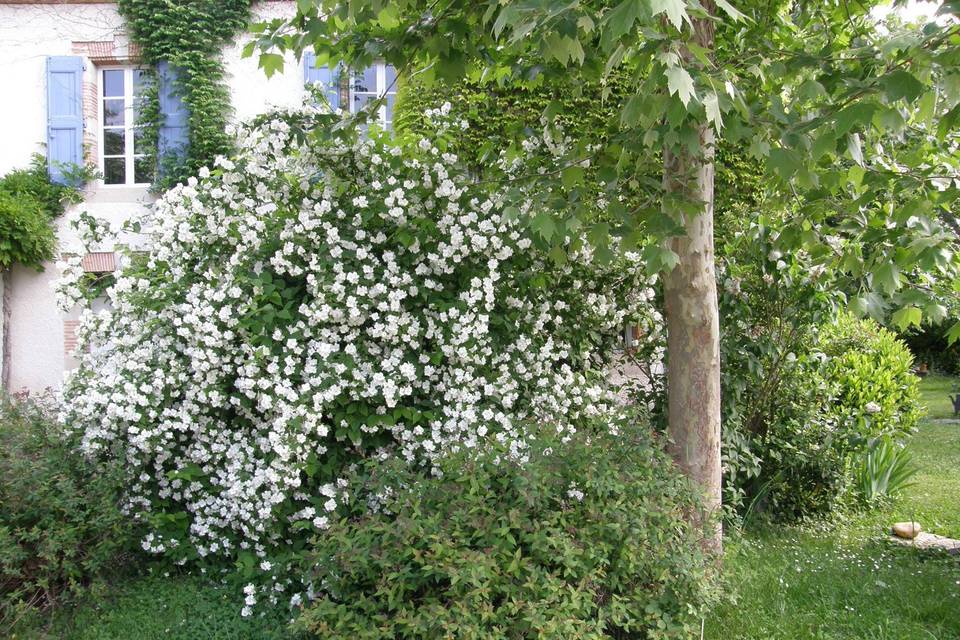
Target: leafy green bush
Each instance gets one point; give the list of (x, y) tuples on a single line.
[(587, 539), (26, 235), (871, 369), (60, 523), (29, 202), (850, 386)]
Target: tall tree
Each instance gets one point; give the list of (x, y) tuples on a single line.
[(854, 122)]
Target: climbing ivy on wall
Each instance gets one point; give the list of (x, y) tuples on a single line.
[(188, 35)]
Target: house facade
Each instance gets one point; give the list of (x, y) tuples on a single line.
[(72, 78)]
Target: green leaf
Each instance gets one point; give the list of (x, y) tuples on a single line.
[(886, 277), (680, 83), (630, 116), (826, 142), (271, 63), (730, 10), (901, 84), (571, 176), (619, 21), (711, 104), (953, 334), (676, 11), (856, 115), (907, 317), (544, 225), (935, 312), (855, 148), (785, 162), (389, 16)]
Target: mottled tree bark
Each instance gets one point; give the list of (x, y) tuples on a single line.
[(692, 317), (6, 278)]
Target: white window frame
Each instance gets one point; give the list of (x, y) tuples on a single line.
[(380, 92), (128, 127)]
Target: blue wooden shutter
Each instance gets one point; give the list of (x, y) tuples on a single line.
[(64, 115), (175, 127), (329, 78)]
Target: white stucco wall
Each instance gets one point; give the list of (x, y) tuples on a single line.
[(28, 34)]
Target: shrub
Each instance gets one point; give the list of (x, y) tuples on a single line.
[(877, 393), (28, 204), (851, 386), (586, 539), (26, 235), (312, 302), (61, 526)]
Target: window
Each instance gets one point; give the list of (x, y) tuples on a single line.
[(372, 83), (122, 155)]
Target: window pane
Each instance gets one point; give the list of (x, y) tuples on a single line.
[(366, 80), (113, 113), (142, 170), (113, 143), (114, 170), (139, 79), (138, 145), (360, 101), (113, 82), (390, 100), (391, 85)]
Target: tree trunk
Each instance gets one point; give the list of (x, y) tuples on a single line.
[(693, 326), (6, 280)]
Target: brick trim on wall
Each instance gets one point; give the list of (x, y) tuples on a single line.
[(70, 336), (99, 262)]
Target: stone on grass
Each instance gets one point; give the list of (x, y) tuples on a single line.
[(931, 541), (907, 530)]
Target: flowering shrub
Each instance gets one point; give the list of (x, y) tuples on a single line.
[(315, 301)]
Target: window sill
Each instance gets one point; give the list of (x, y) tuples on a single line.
[(99, 193)]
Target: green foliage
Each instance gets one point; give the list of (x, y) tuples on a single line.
[(189, 35), (884, 471), (501, 116), (871, 368), (850, 385), (29, 202), (61, 526), (930, 346), (26, 233), (852, 125), (495, 548)]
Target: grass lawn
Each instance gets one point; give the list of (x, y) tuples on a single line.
[(155, 607), (936, 392), (844, 580)]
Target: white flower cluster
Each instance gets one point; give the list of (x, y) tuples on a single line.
[(306, 304)]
